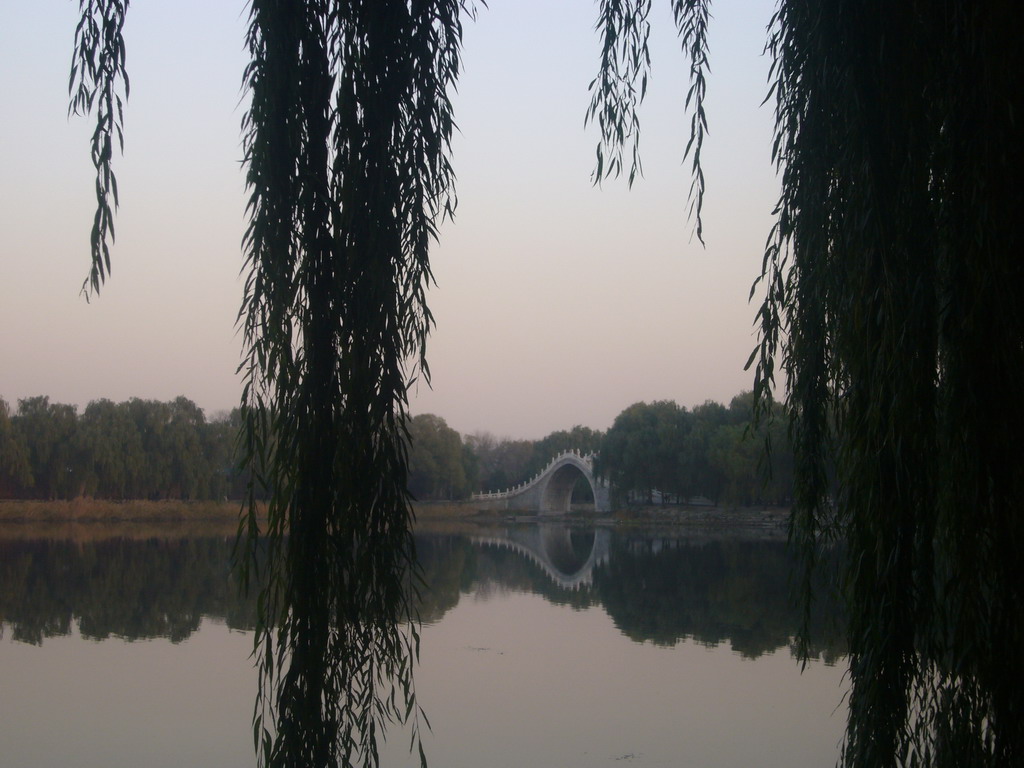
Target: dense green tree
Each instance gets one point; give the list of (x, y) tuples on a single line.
[(151, 418), (471, 467), (645, 448), (775, 465), (182, 439), (130, 450), (225, 477), (112, 450), (711, 451), (699, 476), (436, 460), (15, 471), (501, 463), (49, 433), (732, 464)]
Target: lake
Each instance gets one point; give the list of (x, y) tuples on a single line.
[(542, 645)]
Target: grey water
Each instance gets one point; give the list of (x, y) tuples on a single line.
[(542, 645)]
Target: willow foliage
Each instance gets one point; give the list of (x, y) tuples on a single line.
[(892, 283), (346, 144), (98, 80), (621, 84), (893, 302)]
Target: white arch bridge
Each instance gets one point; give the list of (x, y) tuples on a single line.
[(549, 492)]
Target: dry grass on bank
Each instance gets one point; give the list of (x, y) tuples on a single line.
[(85, 519), (140, 530), (106, 510), (449, 510), (85, 510)]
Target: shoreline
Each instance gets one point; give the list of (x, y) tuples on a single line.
[(223, 516), (85, 510)]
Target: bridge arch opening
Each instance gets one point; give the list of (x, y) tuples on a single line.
[(557, 497)]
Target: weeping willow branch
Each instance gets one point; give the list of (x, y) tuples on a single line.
[(691, 18), (98, 78), (892, 294), (347, 141), (615, 97), (621, 85)]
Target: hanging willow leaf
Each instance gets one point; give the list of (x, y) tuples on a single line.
[(346, 144), (98, 77), (615, 97), (892, 264)]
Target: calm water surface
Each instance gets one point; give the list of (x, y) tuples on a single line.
[(542, 646)]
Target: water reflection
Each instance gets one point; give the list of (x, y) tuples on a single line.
[(118, 587), (661, 587), (552, 646)]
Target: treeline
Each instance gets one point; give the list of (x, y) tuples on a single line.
[(146, 449), (137, 449)]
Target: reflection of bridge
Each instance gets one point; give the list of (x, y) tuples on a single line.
[(550, 491), (568, 556)]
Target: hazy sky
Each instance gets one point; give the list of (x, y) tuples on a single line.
[(557, 303)]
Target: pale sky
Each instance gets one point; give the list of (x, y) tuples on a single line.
[(557, 303)]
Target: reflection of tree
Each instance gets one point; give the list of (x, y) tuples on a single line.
[(445, 562), (736, 591), (663, 590), (131, 589)]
